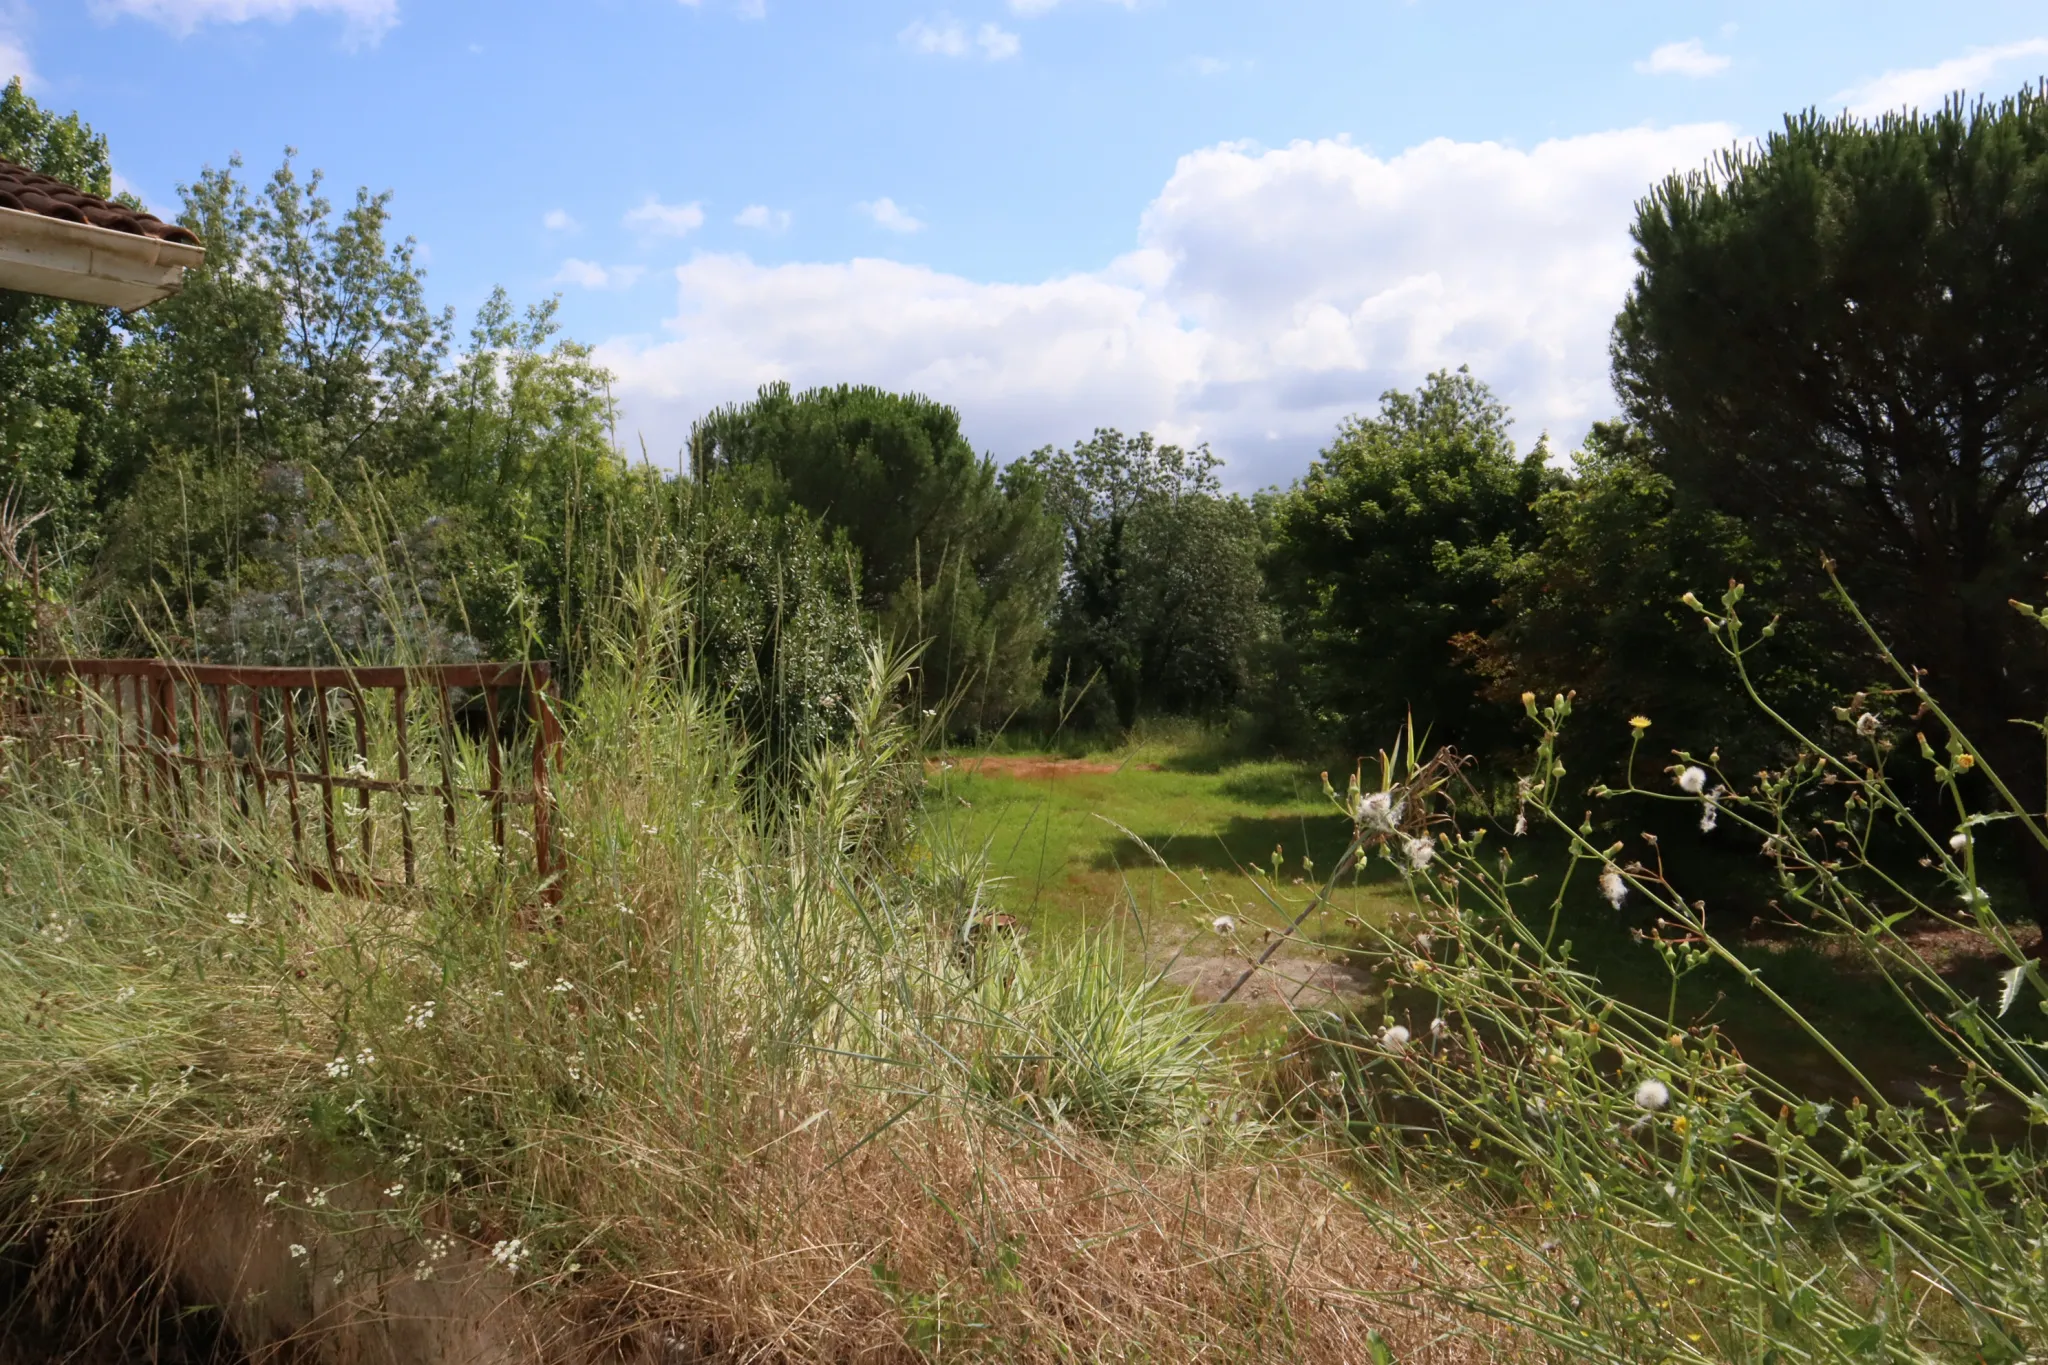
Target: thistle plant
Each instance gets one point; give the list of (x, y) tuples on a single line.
[(1617, 1181)]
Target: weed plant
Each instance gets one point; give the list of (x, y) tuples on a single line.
[(1619, 1182), (744, 1090)]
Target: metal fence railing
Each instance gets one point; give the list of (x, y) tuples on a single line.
[(314, 746)]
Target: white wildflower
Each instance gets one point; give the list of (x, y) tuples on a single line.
[(1395, 1039), (1424, 942), (1420, 851), (393, 1190), (338, 1068), (419, 1016), (366, 1058), (1693, 780), (1438, 1028), (1223, 926), (298, 1252), (561, 986), (237, 918), (1380, 811), (1613, 886), (1958, 841), (517, 964), (509, 1253), (1866, 725), (1652, 1095), (124, 995), (1670, 1190)]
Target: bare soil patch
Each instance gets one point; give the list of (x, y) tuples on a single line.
[(1032, 767)]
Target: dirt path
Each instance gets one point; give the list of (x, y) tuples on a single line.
[(1032, 767)]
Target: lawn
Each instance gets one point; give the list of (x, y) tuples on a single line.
[(1072, 841)]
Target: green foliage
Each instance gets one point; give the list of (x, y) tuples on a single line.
[(1594, 607), (954, 554), (1394, 546), (60, 362), (1159, 605), (1837, 338)]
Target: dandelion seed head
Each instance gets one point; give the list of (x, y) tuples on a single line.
[(1395, 1039), (1653, 1095), (1866, 725), (1380, 811), (1438, 1028), (1958, 841), (1421, 852), (1693, 780), (1223, 926), (1613, 886)]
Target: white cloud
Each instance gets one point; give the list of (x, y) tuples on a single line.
[(1925, 87), (948, 37), (367, 20), (665, 220), (14, 60), (763, 219), (886, 213), (1271, 292), (753, 9), (1208, 66), (590, 275), (558, 220), (1689, 58)]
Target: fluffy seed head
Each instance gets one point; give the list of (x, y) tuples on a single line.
[(1223, 926), (1395, 1039), (1613, 887), (1653, 1095), (1693, 780)]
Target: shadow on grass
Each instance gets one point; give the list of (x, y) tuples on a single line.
[(1243, 840)]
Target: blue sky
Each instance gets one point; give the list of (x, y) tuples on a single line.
[(1223, 222)]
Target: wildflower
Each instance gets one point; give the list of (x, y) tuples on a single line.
[(1438, 1028), (338, 1068), (393, 1190), (1420, 851), (1866, 725), (1395, 1039), (419, 1016), (517, 964), (298, 1252), (1613, 886), (1693, 780), (561, 986), (1652, 1095), (1670, 1190), (237, 918), (1424, 942), (1958, 841), (366, 1058), (1638, 723), (1710, 811), (650, 830), (1223, 926), (1380, 811), (125, 994), (509, 1253)]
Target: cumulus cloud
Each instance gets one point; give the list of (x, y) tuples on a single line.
[(1925, 87), (558, 220), (590, 275), (761, 218), (367, 20), (1688, 58), (886, 213), (947, 37), (1270, 293), (665, 220)]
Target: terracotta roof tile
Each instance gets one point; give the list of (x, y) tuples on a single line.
[(23, 189)]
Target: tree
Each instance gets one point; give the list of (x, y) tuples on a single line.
[(1594, 607), (1840, 338), (60, 362), (952, 551), (1159, 601), (1392, 547)]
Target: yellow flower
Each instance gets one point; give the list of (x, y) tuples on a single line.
[(1638, 723), (1679, 1124)]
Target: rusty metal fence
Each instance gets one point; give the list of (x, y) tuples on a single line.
[(192, 743)]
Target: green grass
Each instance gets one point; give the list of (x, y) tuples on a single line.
[(1071, 837)]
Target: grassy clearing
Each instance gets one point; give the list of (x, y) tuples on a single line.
[(1070, 839)]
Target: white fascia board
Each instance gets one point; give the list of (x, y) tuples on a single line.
[(97, 265)]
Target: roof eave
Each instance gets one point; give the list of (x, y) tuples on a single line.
[(96, 265)]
